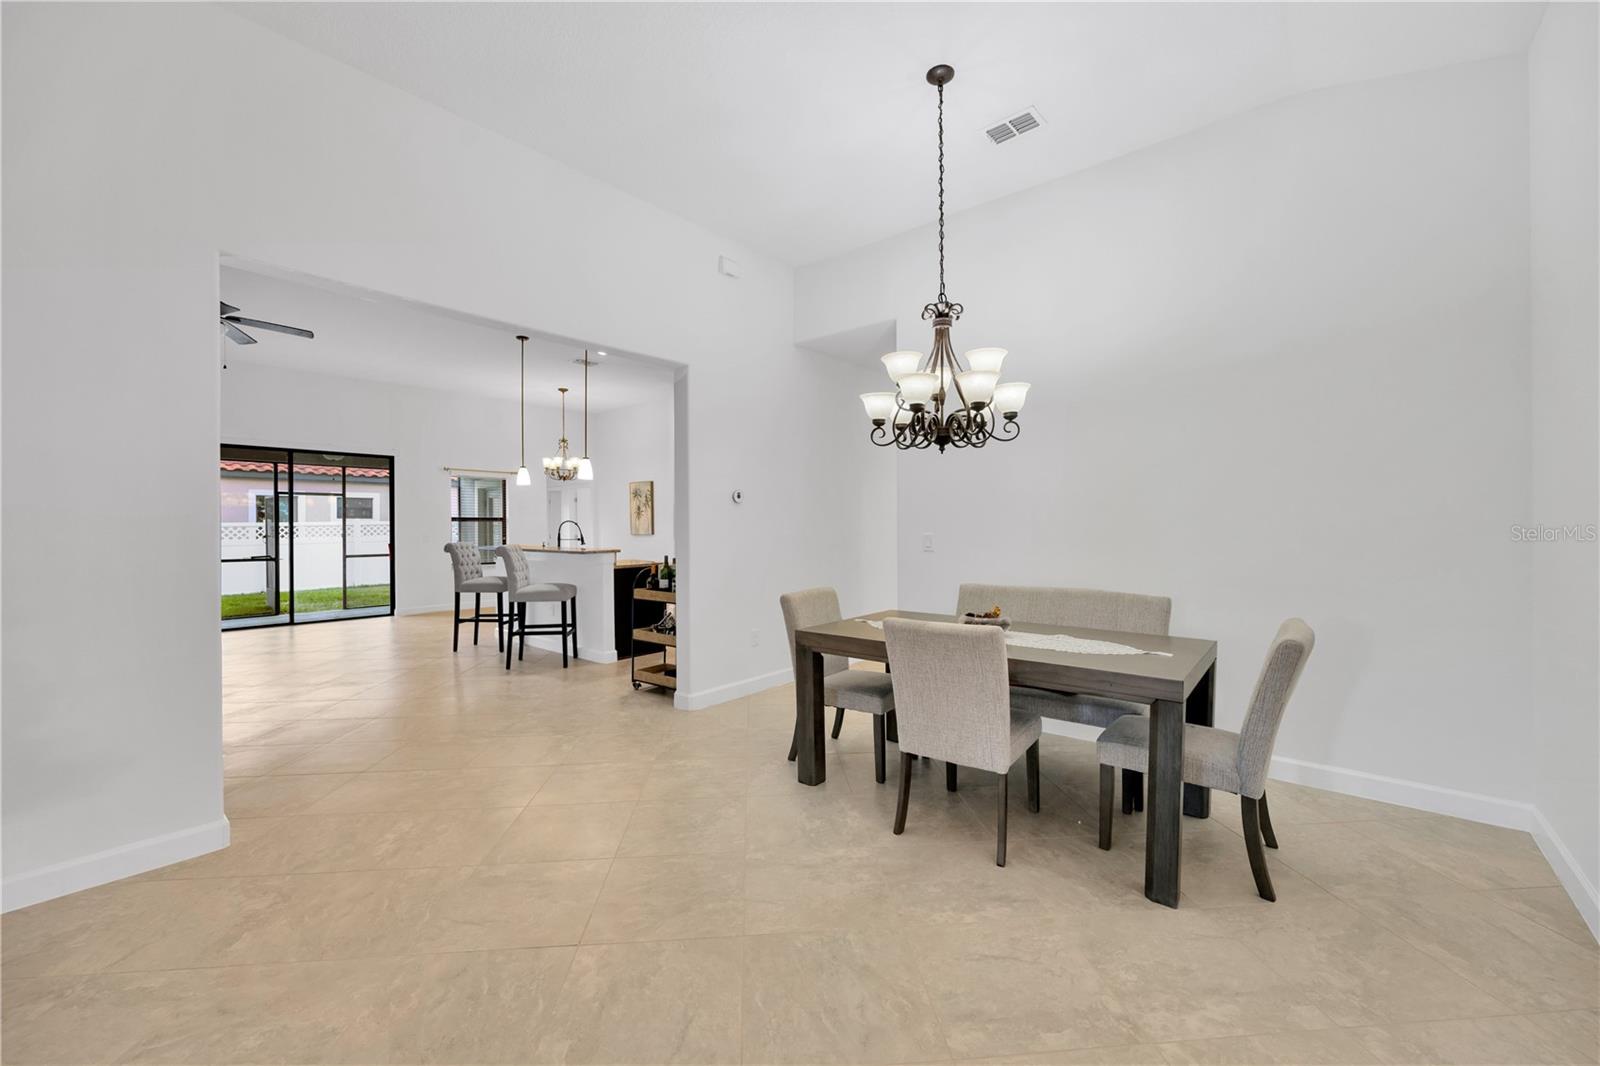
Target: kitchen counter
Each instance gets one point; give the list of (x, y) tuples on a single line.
[(569, 551)]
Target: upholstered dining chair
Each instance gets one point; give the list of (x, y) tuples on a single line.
[(1123, 612), (843, 689), (1219, 758), (467, 568), (522, 590), (953, 700)]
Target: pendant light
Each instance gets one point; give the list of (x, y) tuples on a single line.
[(939, 401), (585, 467), (523, 477), (561, 466)]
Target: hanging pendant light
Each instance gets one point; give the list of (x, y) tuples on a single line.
[(585, 467), (561, 466), (938, 399), (523, 477)]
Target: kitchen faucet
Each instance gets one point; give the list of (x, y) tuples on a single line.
[(564, 525)]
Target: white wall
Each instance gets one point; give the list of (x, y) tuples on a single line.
[(1566, 441), (1279, 368), (424, 429), (633, 444), (120, 191)]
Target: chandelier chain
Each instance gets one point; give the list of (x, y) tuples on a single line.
[(942, 297)]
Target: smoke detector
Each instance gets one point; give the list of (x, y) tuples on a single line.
[(1008, 129)]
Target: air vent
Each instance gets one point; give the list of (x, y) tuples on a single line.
[(1015, 126)]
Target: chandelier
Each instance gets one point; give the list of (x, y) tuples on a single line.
[(939, 399), (561, 466)]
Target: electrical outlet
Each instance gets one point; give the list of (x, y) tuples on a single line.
[(755, 638), (927, 542)]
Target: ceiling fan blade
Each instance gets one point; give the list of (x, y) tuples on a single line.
[(237, 335), (294, 331), (229, 309)]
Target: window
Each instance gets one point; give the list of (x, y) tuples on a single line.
[(354, 507), (478, 513)]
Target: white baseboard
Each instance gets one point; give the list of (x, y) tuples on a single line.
[(1436, 799), (442, 608), (1567, 869), (592, 655), (698, 701), (113, 864), (1472, 806)]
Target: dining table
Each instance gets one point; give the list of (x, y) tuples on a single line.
[(1175, 676)]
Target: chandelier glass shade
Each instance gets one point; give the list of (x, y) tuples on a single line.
[(942, 400)]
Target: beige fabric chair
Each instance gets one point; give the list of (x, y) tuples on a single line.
[(843, 689), (953, 699), (522, 590), (467, 569), (1123, 612), (1219, 758)]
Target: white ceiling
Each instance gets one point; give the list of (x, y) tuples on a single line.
[(806, 130), (379, 338)]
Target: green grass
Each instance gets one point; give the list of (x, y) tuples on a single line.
[(306, 601)]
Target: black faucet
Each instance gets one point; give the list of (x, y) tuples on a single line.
[(564, 525)]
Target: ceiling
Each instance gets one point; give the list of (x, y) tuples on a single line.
[(806, 130), (380, 338)]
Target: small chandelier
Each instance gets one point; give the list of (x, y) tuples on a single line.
[(561, 466), (938, 400)]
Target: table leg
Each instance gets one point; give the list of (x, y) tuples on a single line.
[(1163, 807), (809, 730), (1198, 709)]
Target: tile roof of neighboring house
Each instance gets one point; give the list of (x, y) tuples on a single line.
[(240, 465)]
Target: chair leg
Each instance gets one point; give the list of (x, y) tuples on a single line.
[(949, 777), (1250, 811), (574, 625), (522, 630), (477, 614), (1001, 800), (879, 756), (838, 721), (511, 632), (1267, 834), (905, 792), (1031, 761), (455, 630), (499, 621), (563, 634), (1108, 788), (1132, 791), (794, 743)]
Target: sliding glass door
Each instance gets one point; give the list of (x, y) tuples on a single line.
[(305, 536)]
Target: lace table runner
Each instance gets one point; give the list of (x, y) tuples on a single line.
[(1058, 642)]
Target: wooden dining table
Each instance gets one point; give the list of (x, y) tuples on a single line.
[(1179, 686)]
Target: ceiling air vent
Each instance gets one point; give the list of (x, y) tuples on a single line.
[(1015, 126)]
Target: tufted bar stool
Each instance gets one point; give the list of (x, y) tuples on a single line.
[(469, 577), (522, 590)]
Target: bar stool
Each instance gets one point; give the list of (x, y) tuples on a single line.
[(521, 590), (469, 577)]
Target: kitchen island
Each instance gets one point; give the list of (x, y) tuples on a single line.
[(592, 571)]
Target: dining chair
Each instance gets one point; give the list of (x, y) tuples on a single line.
[(467, 568), (953, 699), (522, 590), (1220, 758), (843, 689), (1122, 612)]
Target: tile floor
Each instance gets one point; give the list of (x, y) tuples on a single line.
[(436, 861)]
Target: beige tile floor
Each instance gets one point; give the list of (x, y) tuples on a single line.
[(436, 861)]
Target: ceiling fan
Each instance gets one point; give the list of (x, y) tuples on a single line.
[(232, 320)]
